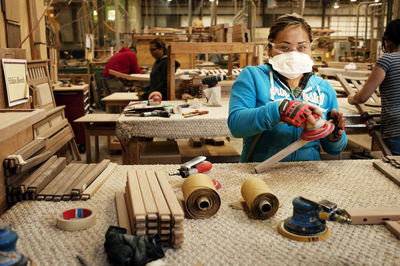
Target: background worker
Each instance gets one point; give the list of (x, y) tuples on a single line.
[(158, 74), (125, 61), (263, 97), (386, 76)]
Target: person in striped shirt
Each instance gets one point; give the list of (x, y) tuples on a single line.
[(386, 76)]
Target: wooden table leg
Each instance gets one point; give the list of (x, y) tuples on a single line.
[(96, 151), (88, 151), (130, 150)]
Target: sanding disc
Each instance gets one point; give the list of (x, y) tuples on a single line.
[(322, 129), (310, 238)]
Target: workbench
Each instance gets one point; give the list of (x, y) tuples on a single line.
[(130, 128), (230, 237)]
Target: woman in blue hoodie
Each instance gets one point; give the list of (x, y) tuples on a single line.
[(271, 103)]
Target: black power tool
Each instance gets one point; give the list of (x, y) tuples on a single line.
[(308, 222)]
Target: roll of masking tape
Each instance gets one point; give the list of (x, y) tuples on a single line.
[(76, 219)]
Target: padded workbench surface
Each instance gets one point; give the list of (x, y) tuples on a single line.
[(213, 124), (230, 237)]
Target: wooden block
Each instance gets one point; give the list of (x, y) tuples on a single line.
[(394, 227), (99, 181), (373, 215), (161, 152), (390, 172), (86, 180)]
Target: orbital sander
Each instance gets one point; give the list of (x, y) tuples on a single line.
[(321, 129), (308, 222)]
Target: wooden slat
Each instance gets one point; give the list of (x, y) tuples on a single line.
[(47, 175), (31, 148), (211, 48), (389, 171), (30, 179), (66, 188), (99, 181), (148, 200), (159, 199), (139, 210), (122, 212), (373, 215), (394, 227), (52, 187), (34, 161), (170, 197), (86, 180)]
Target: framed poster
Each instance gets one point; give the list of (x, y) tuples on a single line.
[(15, 79)]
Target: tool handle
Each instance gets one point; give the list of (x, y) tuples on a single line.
[(203, 167), (193, 162)]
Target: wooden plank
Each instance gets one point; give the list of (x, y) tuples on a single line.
[(99, 181), (31, 148), (389, 171), (47, 175), (170, 197), (373, 215), (394, 227), (138, 208), (79, 179), (164, 213), (66, 188), (58, 192), (122, 212), (52, 187), (38, 172), (34, 161), (87, 179), (148, 199), (280, 155)]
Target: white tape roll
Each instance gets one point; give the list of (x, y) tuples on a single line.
[(76, 219)]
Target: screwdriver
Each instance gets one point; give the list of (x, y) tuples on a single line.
[(198, 168)]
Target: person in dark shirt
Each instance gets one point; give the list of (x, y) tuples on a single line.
[(158, 75), (125, 61)]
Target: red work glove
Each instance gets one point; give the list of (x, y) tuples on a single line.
[(337, 119), (297, 113)]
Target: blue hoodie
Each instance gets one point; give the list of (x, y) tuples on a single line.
[(253, 108)]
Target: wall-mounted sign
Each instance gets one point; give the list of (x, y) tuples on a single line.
[(16, 82)]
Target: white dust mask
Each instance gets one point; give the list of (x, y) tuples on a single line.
[(291, 65)]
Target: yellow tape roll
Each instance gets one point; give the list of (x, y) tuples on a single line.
[(259, 198), (201, 198), (76, 219)]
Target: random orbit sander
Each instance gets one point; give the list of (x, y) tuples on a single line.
[(308, 222), (8, 254), (322, 129)]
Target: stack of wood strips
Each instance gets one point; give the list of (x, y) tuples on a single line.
[(150, 206), (55, 181), (390, 167)]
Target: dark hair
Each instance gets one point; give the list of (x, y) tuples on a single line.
[(160, 44), (392, 34), (133, 49), (288, 20)]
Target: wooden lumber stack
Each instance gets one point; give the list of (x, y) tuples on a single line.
[(150, 206), (55, 181), (220, 32)]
